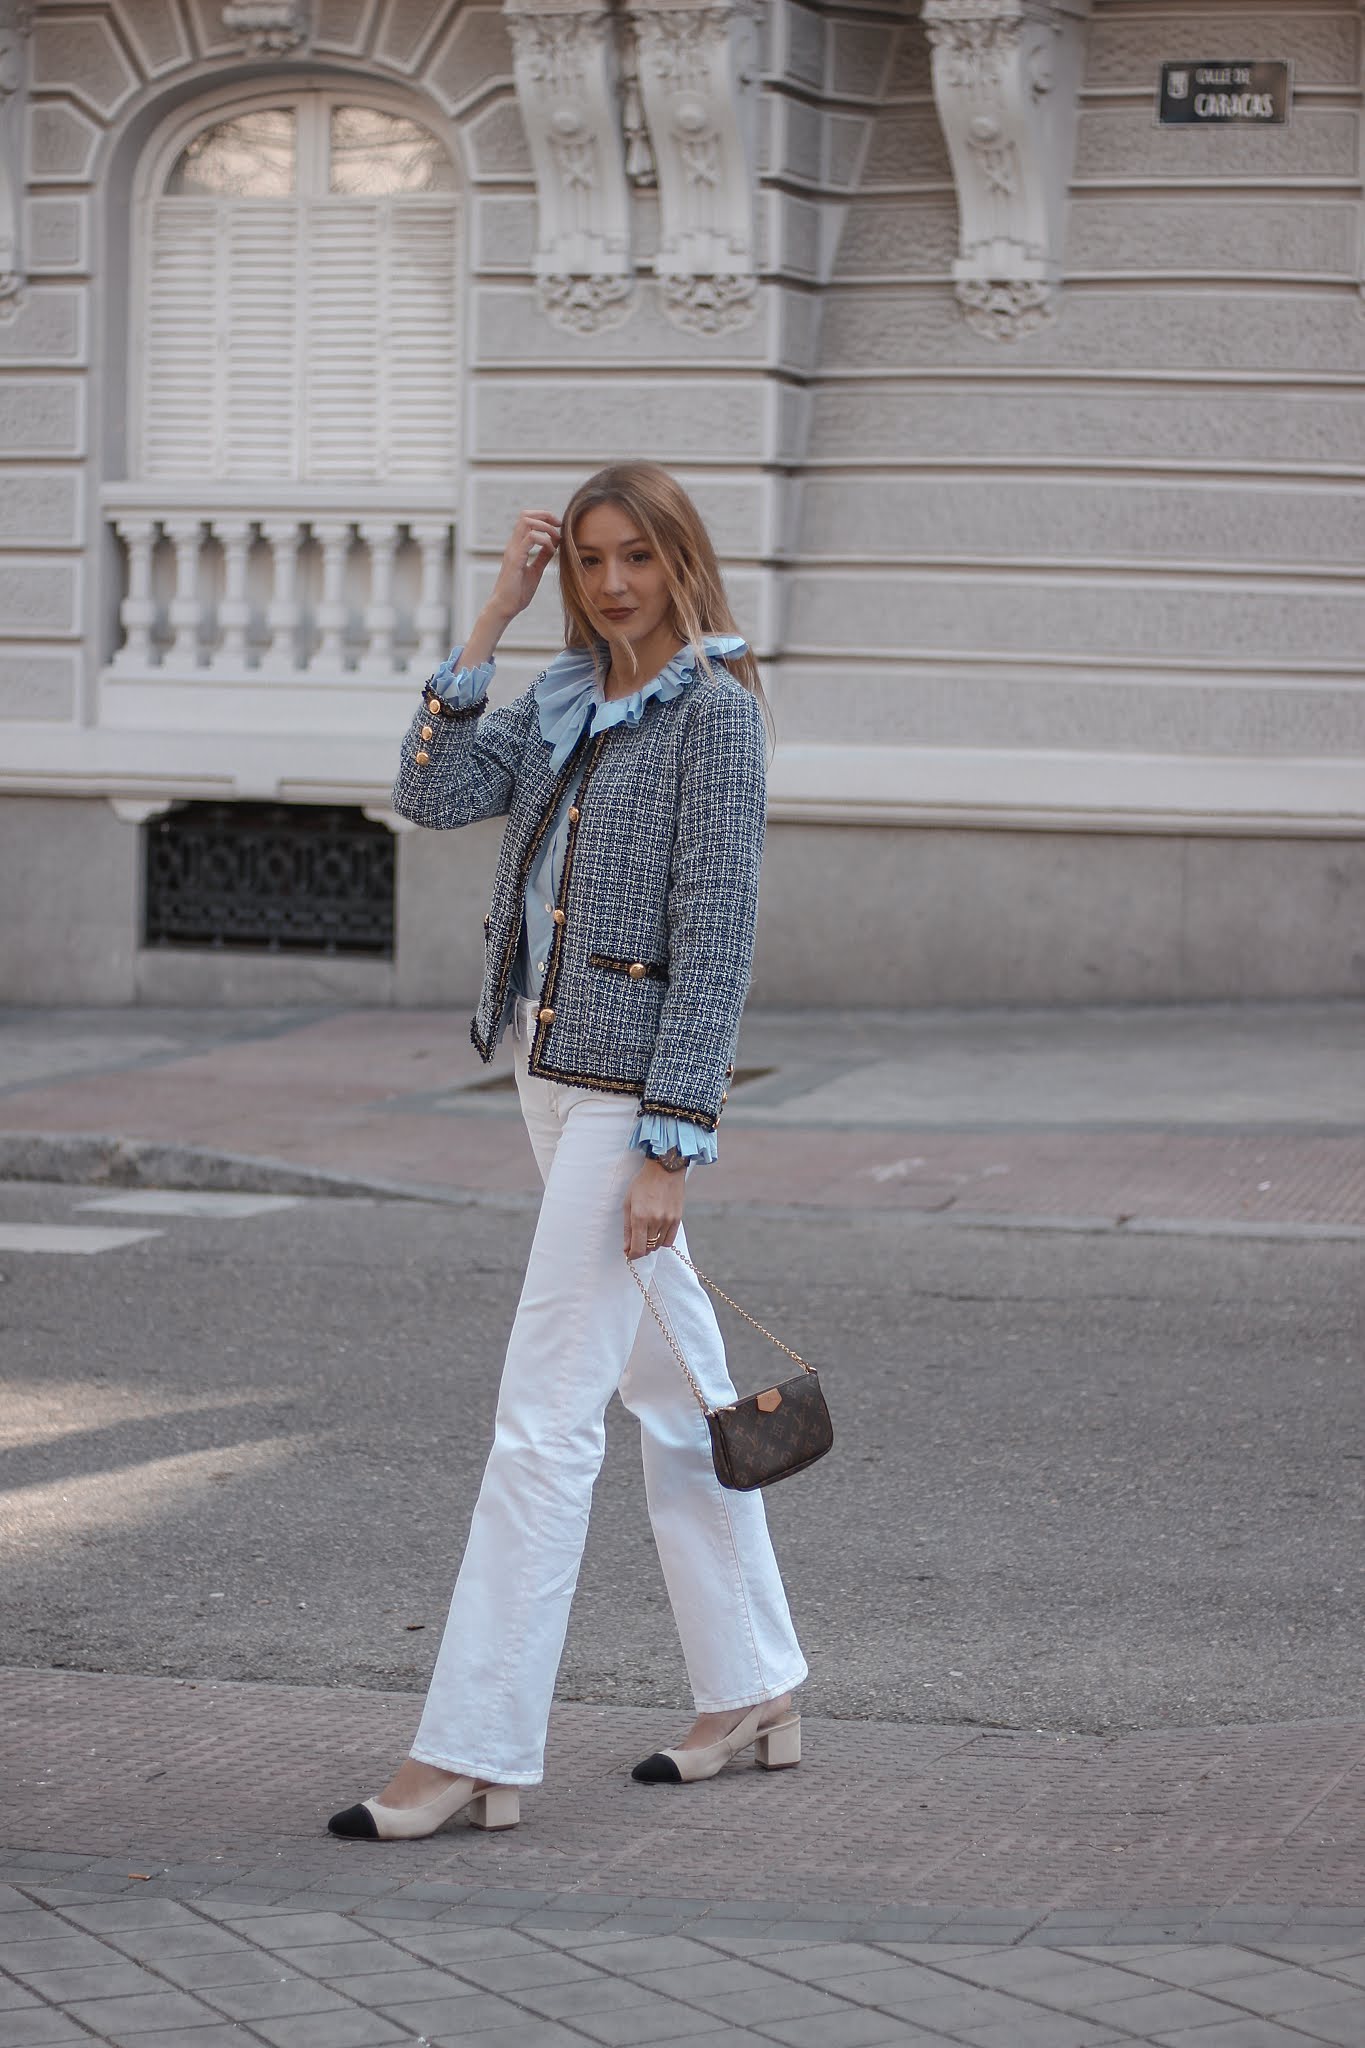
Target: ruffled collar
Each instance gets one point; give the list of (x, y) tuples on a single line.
[(569, 690)]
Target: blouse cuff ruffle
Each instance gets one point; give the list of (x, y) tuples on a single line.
[(658, 1134), (461, 686)]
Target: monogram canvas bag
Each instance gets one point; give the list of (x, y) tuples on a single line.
[(764, 1437)]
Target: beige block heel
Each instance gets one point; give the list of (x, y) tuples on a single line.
[(495, 1806), (779, 1747), (498, 1807)]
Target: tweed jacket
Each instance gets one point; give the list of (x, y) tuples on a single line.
[(650, 963)]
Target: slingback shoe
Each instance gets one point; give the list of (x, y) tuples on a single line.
[(490, 1806), (776, 1748)]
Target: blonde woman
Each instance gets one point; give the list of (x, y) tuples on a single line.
[(618, 950)]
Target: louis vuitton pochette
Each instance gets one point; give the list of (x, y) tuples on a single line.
[(762, 1437)]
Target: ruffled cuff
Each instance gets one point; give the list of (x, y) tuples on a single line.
[(461, 687), (658, 1134)]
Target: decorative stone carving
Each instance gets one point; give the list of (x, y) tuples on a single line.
[(708, 305), (272, 28), (15, 22), (564, 60), (587, 305), (641, 168), (696, 64), (1006, 75)]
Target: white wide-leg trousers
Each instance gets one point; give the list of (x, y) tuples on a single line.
[(582, 1333)]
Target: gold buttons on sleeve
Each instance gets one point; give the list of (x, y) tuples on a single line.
[(546, 1016), (636, 970), (433, 704), (729, 1070), (428, 732), (573, 814), (558, 916), (422, 757), (724, 1095)]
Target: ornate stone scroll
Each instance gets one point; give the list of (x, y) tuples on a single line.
[(564, 59), (1006, 75), (696, 65), (273, 28), (15, 21)]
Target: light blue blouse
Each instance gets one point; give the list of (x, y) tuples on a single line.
[(569, 698)]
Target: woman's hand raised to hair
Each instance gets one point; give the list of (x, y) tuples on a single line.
[(535, 538)]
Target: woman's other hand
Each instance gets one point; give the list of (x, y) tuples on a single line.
[(653, 1209), (535, 538)]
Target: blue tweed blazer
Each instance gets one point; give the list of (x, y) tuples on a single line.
[(650, 964)]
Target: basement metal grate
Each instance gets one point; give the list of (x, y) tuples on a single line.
[(296, 878)]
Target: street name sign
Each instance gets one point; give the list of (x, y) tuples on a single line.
[(1223, 95)]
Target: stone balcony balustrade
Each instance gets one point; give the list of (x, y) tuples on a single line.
[(242, 602)]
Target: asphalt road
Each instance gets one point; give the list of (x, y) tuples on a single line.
[(1081, 1482)]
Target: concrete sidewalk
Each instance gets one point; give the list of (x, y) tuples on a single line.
[(171, 1883), (1248, 1117)]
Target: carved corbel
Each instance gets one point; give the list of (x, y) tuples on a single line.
[(15, 21), (273, 28), (1006, 77), (564, 60), (696, 65)]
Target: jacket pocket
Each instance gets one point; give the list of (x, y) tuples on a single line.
[(637, 970)]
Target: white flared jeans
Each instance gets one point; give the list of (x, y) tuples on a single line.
[(582, 1333)]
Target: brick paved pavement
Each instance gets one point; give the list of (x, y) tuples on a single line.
[(400, 1097), (168, 1882)]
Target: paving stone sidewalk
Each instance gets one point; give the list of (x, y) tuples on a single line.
[(1254, 1118), (169, 1882)]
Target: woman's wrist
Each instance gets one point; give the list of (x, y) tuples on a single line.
[(489, 628)]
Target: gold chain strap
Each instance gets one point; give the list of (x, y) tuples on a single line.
[(672, 1341)]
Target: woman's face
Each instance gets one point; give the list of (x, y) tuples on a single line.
[(623, 578)]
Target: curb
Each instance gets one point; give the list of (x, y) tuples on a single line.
[(82, 1159), (88, 1160)]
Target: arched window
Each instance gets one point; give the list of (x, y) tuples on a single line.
[(297, 319)]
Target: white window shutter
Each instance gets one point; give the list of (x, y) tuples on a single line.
[(418, 342), (309, 339), (260, 262), (341, 379), (181, 398)]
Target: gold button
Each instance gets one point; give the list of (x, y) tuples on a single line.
[(546, 1016), (559, 917), (723, 1096), (637, 970), (422, 757), (729, 1070), (573, 814), (433, 704), (427, 733)]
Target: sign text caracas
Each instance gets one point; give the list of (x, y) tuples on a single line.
[(1207, 94)]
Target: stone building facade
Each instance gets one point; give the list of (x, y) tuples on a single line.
[(1032, 433)]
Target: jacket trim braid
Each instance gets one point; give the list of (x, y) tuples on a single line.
[(691, 1116), (524, 866), (536, 1062), (439, 708), (636, 969)]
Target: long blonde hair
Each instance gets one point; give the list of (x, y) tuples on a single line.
[(667, 519)]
